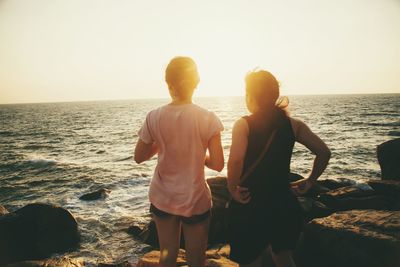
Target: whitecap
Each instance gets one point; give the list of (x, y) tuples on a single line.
[(42, 163)]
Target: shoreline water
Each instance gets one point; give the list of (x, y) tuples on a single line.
[(56, 152)]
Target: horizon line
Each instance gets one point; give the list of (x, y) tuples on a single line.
[(195, 97)]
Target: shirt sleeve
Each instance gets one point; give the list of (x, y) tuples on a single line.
[(145, 132), (215, 125)]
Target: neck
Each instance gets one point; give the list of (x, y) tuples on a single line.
[(177, 101)]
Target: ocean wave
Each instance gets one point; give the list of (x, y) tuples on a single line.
[(388, 124), (7, 133), (34, 147), (124, 159), (41, 163), (394, 133)]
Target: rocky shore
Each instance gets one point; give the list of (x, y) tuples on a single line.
[(347, 224)]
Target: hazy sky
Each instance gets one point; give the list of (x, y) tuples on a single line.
[(67, 50)]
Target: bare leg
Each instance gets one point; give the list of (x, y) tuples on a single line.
[(284, 259), (196, 237), (169, 230)]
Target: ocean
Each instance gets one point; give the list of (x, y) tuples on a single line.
[(55, 152)]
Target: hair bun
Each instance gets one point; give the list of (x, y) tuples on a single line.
[(282, 102)]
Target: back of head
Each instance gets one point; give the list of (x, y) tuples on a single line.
[(263, 88), (182, 76)]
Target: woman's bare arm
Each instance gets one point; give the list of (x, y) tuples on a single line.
[(236, 158), (305, 136), (144, 151), (215, 160)]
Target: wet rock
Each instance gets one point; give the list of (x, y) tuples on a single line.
[(389, 159), (57, 262), (35, 232), (147, 233), (122, 264), (3, 210), (99, 194), (365, 238), (386, 187)]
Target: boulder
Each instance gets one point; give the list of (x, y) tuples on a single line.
[(389, 159), (3, 210), (313, 208), (35, 232), (99, 194), (216, 256), (147, 233), (219, 213), (345, 198), (54, 262), (386, 187), (365, 238), (333, 184)]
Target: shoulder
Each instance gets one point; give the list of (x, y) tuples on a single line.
[(241, 125), (153, 114), (204, 113), (297, 125), (201, 110)]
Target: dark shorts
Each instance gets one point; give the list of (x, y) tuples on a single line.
[(187, 220), (252, 230)]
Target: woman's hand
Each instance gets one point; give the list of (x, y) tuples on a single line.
[(241, 194), (301, 187)]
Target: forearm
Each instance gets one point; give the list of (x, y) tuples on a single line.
[(234, 174), (319, 166), (211, 164)]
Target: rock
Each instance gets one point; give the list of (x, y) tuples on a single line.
[(293, 177), (376, 202), (365, 238), (122, 264), (389, 159), (316, 190), (151, 258), (99, 194), (216, 256), (386, 187), (218, 232), (3, 210), (333, 184), (146, 233), (313, 209), (336, 199), (55, 262), (35, 232)]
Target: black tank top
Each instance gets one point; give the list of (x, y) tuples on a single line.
[(270, 179)]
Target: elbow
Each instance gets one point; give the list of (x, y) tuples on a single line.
[(326, 154), (219, 167), (138, 159), (216, 166)]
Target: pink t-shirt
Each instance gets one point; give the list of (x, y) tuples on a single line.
[(182, 133)]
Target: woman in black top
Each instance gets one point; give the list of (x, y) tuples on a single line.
[(264, 210)]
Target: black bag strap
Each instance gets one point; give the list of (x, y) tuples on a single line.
[(255, 163)]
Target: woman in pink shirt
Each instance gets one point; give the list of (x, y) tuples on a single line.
[(180, 133)]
